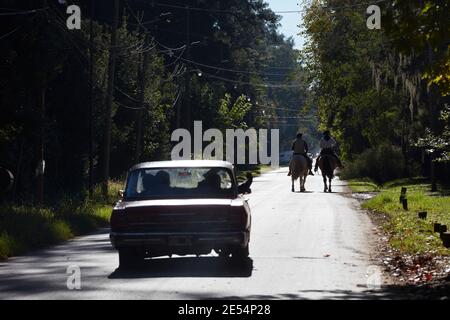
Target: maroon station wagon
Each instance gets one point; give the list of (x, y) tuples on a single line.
[(181, 207)]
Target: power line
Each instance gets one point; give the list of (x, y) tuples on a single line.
[(266, 85), (15, 13), (184, 47), (146, 30), (236, 11), (281, 109), (9, 33), (233, 70), (239, 71), (292, 117)]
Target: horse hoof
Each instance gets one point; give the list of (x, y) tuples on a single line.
[(292, 190), (329, 190), (325, 190)]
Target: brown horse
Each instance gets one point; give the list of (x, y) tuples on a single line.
[(299, 169), (327, 164)]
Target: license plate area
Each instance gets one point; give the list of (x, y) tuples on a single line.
[(180, 241)]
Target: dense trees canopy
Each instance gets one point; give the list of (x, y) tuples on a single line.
[(382, 91), (222, 62)]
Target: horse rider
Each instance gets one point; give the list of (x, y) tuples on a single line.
[(328, 147), (300, 147)]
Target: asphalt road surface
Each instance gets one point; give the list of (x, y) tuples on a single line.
[(310, 245)]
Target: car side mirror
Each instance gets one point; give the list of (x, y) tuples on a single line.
[(245, 186)]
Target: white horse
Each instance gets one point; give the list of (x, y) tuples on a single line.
[(299, 169)]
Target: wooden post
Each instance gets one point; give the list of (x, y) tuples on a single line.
[(433, 174), (446, 239), (403, 199), (442, 230), (437, 227)]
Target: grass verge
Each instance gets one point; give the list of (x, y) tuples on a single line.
[(407, 232), (364, 185), (25, 228)]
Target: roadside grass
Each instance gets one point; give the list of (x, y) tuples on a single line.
[(363, 185), (24, 228), (408, 233)]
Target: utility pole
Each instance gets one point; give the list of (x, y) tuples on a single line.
[(41, 79), (91, 102), (188, 113), (141, 99), (40, 168), (109, 99)]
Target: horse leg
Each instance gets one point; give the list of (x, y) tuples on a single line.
[(292, 188), (325, 189), (302, 184), (329, 185)]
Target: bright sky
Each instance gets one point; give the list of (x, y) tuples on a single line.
[(290, 21)]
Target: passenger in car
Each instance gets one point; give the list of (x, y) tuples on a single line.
[(148, 182), (162, 182), (211, 184)]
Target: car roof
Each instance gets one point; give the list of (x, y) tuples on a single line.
[(183, 164)]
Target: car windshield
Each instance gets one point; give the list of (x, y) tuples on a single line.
[(180, 182)]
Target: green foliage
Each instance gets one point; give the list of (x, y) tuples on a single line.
[(438, 146), (369, 85), (422, 29), (44, 48), (232, 115), (382, 163), (363, 185), (25, 228), (7, 246), (338, 56)]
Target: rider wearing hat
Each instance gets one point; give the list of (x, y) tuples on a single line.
[(300, 147), (328, 146)]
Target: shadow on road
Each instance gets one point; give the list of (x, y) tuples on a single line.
[(186, 267), (387, 292)]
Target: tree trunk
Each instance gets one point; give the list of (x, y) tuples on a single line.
[(140, 112), (91, 103), (188, 111), (40, 164), (109, 99)]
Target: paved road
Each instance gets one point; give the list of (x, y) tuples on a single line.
[(303, 246)]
